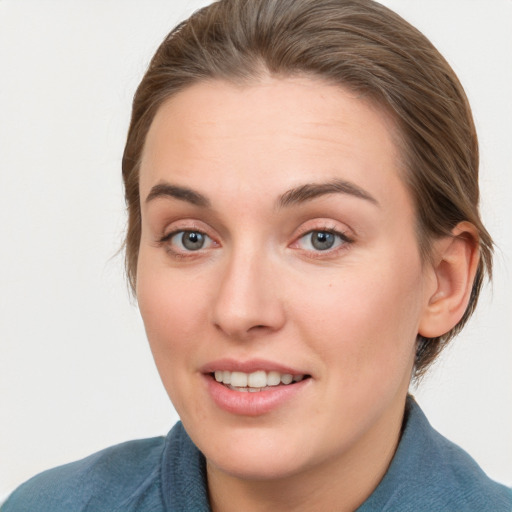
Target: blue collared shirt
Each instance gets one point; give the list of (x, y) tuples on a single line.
[(428, 473)]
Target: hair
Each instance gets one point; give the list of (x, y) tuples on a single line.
[(358, 45)]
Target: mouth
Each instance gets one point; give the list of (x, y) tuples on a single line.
[(257, 381), (254, 387)]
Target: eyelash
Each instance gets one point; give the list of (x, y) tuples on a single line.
[(341, 238), (183, 253)]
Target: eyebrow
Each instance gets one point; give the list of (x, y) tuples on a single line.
[(177, 192), (294, 196), (311, 191)]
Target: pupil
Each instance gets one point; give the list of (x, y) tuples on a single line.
[(322, 240), (192, 240)]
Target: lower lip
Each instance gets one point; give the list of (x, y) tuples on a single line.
[(252, 404)]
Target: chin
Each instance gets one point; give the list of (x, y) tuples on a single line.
[(256, 466), (254, 453)]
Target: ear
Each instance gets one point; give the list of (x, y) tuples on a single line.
[(455, 262)]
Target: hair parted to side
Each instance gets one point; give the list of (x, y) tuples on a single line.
[(358, 45)]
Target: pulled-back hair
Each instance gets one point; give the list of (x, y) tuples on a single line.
[(361, 46)]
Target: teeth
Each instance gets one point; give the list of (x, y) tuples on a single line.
[(225, 377), (273, 378), (286, 378), (238, 379), (255, 381)]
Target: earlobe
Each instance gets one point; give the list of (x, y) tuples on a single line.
[(455, 265)]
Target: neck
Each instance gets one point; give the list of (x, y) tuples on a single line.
[(341, 483)]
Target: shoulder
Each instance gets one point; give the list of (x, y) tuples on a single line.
[(456, 482), (430, 473), (99, 482)]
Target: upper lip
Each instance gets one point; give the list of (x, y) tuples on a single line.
[(249, 366)]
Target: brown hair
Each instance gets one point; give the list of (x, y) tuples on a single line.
[(356, 44)]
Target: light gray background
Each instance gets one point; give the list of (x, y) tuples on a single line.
[(76, 374)]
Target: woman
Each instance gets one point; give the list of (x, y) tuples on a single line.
[(301, 179)]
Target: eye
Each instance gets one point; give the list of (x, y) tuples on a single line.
[(187, 241), (319, 240)]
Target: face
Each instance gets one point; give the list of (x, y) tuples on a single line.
[(278, 244)]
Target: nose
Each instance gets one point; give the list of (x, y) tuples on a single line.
[(248, 302)]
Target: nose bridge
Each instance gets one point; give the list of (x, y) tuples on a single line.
[(247, 300)]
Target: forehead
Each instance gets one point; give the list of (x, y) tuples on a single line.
[(281, 132)]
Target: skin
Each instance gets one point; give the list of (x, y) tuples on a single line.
[(347, 316)]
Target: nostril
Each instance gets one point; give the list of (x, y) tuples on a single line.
[(260, 328)]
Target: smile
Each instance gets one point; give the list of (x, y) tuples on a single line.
[(256, 381)]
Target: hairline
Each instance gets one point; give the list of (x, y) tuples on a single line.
[(257, 74)]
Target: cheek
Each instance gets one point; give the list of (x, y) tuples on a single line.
[(163, 294), (366, 322), (171, 309)]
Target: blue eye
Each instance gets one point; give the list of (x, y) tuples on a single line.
[(188, 240), (322, 240)]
